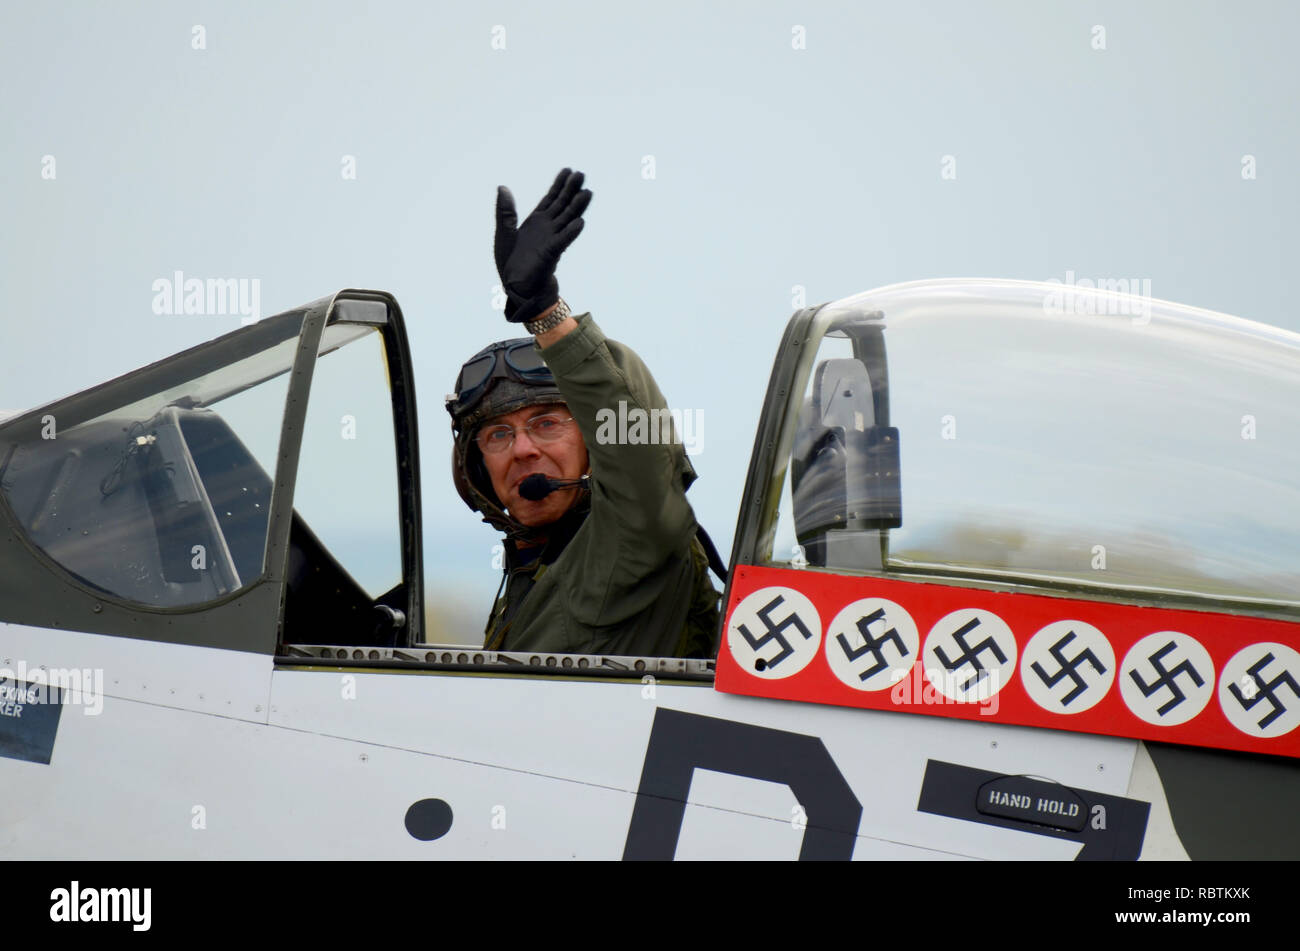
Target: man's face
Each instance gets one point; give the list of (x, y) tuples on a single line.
[(566, 458)]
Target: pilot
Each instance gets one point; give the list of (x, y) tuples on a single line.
[(601, 550)]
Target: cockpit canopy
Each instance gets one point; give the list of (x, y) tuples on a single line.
[(1044, 435), (260, 472)]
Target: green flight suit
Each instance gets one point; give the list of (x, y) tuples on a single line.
[(624, 573)]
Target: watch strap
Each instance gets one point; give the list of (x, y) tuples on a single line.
[(550, 322)]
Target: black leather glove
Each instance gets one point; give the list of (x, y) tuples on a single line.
[(527, 255)]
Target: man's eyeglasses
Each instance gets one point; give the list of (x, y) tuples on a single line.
[(545, 428)]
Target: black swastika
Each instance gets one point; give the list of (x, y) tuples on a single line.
[(774, 633), (872, 645), (1266, 691), (1167, 678), (1068, 668), (970, 655)]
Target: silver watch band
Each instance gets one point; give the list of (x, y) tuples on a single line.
[(549, 323)]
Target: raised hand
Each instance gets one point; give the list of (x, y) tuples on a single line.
[(527, 254)]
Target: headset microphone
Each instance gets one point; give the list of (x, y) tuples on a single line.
[(537, 486)]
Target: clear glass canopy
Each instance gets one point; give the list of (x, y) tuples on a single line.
[(1045, 434)]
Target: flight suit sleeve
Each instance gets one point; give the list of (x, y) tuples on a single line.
[(639, 472)]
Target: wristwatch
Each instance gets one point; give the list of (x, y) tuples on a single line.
[(543, 324)]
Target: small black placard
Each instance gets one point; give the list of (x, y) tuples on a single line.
[(1111, 828), (29, 720)]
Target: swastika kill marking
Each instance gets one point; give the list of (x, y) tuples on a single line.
[(1167, 678), (970, 655), (872, 644), (774, 632), (1067, 667), (1259, 690)]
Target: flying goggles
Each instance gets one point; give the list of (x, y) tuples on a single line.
[(516, 360)]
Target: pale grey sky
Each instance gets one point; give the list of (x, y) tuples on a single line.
[(775, 166)]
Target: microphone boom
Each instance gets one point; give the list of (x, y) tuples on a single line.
[(537, 486)]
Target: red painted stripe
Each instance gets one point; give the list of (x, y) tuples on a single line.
[(1223, 637)]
